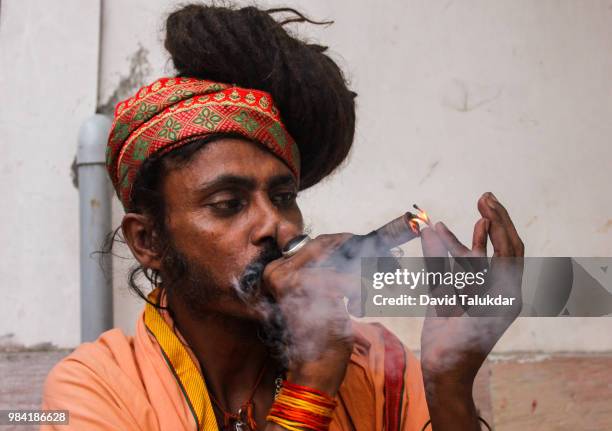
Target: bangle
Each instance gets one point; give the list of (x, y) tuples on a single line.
[(480, 419), (299, 407)]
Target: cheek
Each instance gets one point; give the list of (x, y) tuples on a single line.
[(224, 258), (218, 248)]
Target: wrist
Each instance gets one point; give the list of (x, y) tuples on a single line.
[(316, 378), (450, 403), (447, 386), (459, 379), (300, 407)]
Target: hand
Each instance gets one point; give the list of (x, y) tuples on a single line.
[(454, 348), (310, 296)]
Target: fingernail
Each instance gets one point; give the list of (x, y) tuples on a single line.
[(493, 197), (492, 202)]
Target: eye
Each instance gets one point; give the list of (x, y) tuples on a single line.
[(284, 199), (227, 206)]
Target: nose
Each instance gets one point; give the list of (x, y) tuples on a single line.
[(269, 223)]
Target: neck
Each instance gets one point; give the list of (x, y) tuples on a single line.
[(229, 351)]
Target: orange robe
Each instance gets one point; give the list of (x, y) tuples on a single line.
[(152, 382)]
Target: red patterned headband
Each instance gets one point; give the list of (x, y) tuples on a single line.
[(172, 112)]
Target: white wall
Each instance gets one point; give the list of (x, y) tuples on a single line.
[(48, 85), (455, 98)]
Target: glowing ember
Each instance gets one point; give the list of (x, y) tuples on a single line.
[(414, 225), (415, 220), (422, 215)]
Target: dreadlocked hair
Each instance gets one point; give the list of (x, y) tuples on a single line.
[(249, 48)]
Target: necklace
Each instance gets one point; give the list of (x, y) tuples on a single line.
[(278, 383), (243, 420)]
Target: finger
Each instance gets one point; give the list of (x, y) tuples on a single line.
[(479, 244), (316, 250), (517, 243), (330, 282), (434, 251), (479, 238), (323, 288), (478, 260), (489, 209), (432, 244), (460, 252), (329, 285), (436, 260), (319, 282), (454, 246)]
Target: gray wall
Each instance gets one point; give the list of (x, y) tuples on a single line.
[(455, 98), (48, 86)]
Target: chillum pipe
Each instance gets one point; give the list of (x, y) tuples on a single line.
[(379, 242)]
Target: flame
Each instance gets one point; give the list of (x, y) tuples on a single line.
[(420, 216), (414, 225)]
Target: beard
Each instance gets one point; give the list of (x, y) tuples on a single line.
[(191, 283), (273, 331), (199, 290), (195, 285)]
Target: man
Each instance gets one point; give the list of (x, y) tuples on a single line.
[(234, 335)]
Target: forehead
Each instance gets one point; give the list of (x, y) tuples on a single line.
[(227, 156)]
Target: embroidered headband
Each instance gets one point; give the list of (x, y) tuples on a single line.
[(172, 112)]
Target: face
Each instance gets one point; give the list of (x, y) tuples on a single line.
[(231, 204)]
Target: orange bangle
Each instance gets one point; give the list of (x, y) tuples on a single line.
[(299, 407)]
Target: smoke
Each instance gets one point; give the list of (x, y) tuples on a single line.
[(248, 288), (453, 333), (304, 322), (301, 326)]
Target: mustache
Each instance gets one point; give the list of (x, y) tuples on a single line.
[(250, 281)]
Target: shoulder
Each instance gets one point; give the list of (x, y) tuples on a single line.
[(99, 384), (99, 370), (111, 351)]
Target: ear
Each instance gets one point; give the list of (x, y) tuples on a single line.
[(142, 239)]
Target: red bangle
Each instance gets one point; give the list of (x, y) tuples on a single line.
[(299, 407), (299, 388)]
